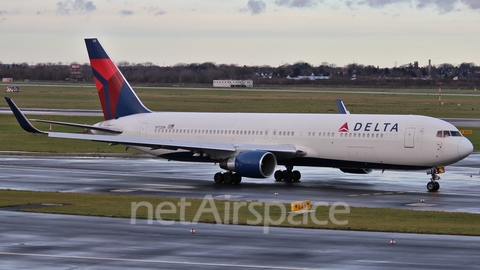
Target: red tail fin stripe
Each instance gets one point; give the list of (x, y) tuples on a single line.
[(105, 67)]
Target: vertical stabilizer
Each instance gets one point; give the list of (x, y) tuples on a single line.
[(116, 96)]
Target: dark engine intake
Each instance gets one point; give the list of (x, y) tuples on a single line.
[(356, 170), (254, 164)]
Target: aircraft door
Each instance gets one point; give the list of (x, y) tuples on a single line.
[(410, 138), (143, 130)]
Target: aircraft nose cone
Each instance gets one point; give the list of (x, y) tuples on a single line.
[(465, 148)]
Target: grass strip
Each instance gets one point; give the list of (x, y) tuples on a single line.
[(359, 218), (234, 100)]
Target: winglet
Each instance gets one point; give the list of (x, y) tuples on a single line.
[(22, 120), (341, 107)]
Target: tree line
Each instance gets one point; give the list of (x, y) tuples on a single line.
[(465, 75)]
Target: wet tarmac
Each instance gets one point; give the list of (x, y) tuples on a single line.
[(459, 191), (42, 241), (45, 241)]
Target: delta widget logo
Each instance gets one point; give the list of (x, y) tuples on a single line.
[(343, 128)]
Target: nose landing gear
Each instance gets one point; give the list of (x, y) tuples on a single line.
[(433, 185)]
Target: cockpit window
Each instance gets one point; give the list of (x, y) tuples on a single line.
[(456, 133), (448, 133)]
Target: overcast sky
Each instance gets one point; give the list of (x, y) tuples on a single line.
[(244, 32)]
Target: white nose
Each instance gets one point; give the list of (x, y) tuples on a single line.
[(465, 148)]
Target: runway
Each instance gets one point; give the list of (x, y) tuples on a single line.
[(459, 192), (40, 241), (44, 241)]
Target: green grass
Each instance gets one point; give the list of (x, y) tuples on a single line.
[(359, 218), (177, 99)]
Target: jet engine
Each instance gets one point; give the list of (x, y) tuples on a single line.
[(254, 164), (356, 170)]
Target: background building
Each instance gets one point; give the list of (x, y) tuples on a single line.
[(232, 83)]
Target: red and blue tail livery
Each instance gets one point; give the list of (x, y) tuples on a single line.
[(116, 96)]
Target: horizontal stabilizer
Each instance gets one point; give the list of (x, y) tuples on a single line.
[(22, 120)]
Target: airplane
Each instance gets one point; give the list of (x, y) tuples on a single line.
[(254, 144)]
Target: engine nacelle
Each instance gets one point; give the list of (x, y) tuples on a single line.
[(356, 170), (254, 164)]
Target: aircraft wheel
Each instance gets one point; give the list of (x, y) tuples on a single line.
[(431, 186), (237, 178), (227, 178), (218, 178), (278, 175), (296, 176), (437, 186), (287, 176)]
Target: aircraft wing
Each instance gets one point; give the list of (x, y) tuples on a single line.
[(27, 125), (114, 131), (228, 148), (176, 144)]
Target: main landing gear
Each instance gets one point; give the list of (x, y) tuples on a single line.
[(287, 175), (433, 185), (227, 178)]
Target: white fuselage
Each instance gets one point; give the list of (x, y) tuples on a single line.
[(333, 140)]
